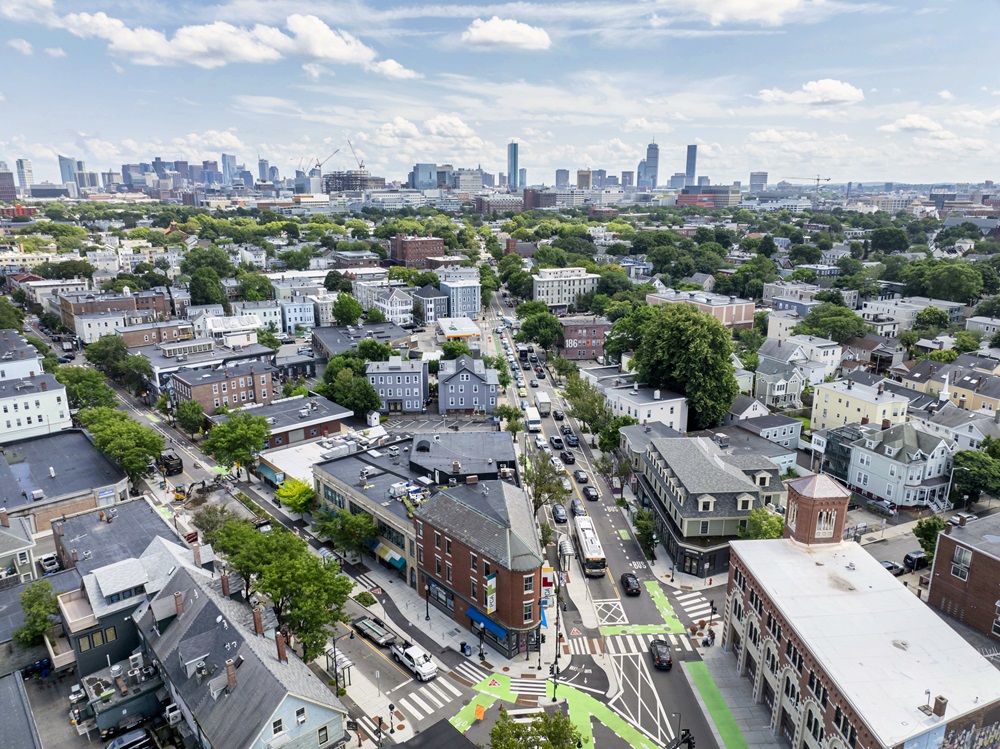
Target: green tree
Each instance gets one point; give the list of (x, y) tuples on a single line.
[(136, 372), (124, 441), (554, 730), (542, 480), (506, 733), (976, 471), (926, 532), (454, 349), (108, 354), (967, 340), (296, 494), (267, 338), (190, 416), (610, 437), (210, 519), (371, 350), (237, 441), (832, 321), (762, 523), (805, 254), (206, 288), (530, 308), (587, 404), (689, 352), (347, 310), (86, 388), (255, 287), (38, 602), (888, 240), (207, 257), (348, 531), (645, 531), (375, 315), (512, 416), (542, 329), (335, 281), (931, 318)]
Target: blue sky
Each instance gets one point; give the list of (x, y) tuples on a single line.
[(900, 90)]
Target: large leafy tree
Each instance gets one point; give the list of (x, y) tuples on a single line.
[(255, 287), (348, 531), (888, 240), (38, 602), (542, 328), (829, 320), (296, 495), (689, 352), (11, 318), (206, 288), (547, 731), (238, 440), (926, 532), (454, 349), (542, 480), (353, 391), (136, 372), (86, 388), (108, 354), (207, 257), (587, 404), (210, 519), (762, 523), (126, 442), (347, 310), (190, 416)]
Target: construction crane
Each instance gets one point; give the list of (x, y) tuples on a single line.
[(817, 179), (361, 164), (319, 164)]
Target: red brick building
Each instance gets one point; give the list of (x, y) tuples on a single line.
[(582, 337), (156, 332), (842, 655), (414, 251), (231, 385), (965, 578), (154, 301), (479, 561)]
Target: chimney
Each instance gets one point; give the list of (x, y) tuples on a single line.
[(230, 674), (225, 584), (44, 386), (279, 641), (258, 622), (864, 420), (947, 529), (940, 705), (961, 520), (75, 556), (4, 519), (886, 424), (196, 552), (850, 384), (179, 602)]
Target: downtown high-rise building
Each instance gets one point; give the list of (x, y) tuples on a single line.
[(67, 169), (758, 182), (263, 167), (522, 177), (691, 166), (584, 179), (512, 168), (562, 177), (25, 177), (228, 168), (652, 171), (8, 190), (423, 177)]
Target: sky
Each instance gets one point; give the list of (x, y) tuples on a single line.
[(886, 90)]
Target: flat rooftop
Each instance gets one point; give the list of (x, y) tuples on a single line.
[(880, 644), (219, 354), (285, 413), (340, 338), (78, 466)]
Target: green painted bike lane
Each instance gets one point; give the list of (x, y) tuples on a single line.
[(671, 624), (716, 705)]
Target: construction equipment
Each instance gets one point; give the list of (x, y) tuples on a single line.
[(817, 179), (361, 164), (180, 493), (319, 164)]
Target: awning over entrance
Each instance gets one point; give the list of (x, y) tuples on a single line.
[(396, 560), (491, 625)]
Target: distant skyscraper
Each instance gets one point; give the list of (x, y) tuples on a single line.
[(25, 177), (273, 175), (512, 168), (704, 181), (562, 177), (424, 177), (522, 177), (652, 165), (628, 179), (262, 169), (598, 177), (228, 168), (692, 165), (677, 181), (67, 170), (584, 179), (758, 182), (8, 190)]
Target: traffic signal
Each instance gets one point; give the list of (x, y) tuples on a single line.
[(552, 670), (686, 738)]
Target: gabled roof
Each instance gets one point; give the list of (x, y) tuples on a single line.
[(907, 443), (429, 292), (16, 536), (743, 403)]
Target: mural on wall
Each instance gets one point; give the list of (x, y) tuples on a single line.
[(979, 730)]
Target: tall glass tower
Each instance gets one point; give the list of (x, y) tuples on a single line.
[(692, 162), (512, 168), (652, 169)]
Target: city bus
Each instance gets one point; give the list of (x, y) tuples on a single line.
[(522, 352), (533, 419), (589, 546)]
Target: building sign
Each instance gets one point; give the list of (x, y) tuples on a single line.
[(491, 593), (279, 478)]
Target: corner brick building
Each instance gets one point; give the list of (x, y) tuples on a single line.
[(413, 252)]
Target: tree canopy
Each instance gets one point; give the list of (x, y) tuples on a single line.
[(347, 310), (86, 388), (762, 523), (237, 441), (829, 320)]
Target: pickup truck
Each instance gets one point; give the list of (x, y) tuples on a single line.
[(416, 659)]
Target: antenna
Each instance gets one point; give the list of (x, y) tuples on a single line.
[(361, 164)]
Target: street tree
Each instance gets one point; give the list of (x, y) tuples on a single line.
[(610, 437), (209, 519), (542, 480), (86, 388), (926, 532), (123, 440), (190, 416), (527, 309), (237, 441), (136, 372), (347, 310), (108, 354), (542, 328), (11, 318), (507, 733), (454, 349), (645, 531), (348, 531), (38, 602), (587, 404), (296, 495), (689, 352), (832, 321), (762, 523)]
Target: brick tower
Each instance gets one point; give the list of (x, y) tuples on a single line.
[(817, 510)]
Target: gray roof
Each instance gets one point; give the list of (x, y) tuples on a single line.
[(12, 344), (430, 292), (15, 536), (982, 535), (905, 439), (215, 629), (451, 367), (700, 468), (770, 369), (217, 355), (758, 423), (19, 730), (79, 467), (25, 386), (953, 417), (478, 452), (285, 412), (741, 403), (11, 613), (193, 377), (397, 364), (340, 338), (640, 436), (775, 349), (493, 518), (747, 450)]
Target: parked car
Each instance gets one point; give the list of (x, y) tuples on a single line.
[(630, 584), (65, 359), (559, 514), (581, 476), (957, 518), (564, 480), (591, 493), (572, 440), (915, 560), (576, 507), (557, 464), (49, 563), (558, 415), (556, 442), (895, 568), (659, 651), (882, 506), (567, 457)]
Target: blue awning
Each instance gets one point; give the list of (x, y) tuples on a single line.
[(491, 625), (396, 560)]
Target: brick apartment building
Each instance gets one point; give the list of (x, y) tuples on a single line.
[(729, 310), (414, 251), (156, 301), (582, 337), (157, 332), (838, 652), (479, 561), (231, 385), (966, 574)]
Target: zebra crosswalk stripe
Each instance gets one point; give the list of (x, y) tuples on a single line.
[(443, 684), (470, 672), (406, 707), (528, 686), (367, 582), (687, 596), (432, 698), (523, 714)]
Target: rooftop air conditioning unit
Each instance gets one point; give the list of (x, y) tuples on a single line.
[(172, 714)]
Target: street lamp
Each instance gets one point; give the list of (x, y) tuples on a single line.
[(427, 603), (555, 681), (951, 480)]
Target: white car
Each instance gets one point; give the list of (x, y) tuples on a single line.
[(557, 464), (566, 483), (49, 563), (540, 443)]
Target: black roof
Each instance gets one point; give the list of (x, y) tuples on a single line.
[(441, 735)]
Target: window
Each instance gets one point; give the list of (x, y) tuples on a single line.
[(83, 644), (110, 634), (447, 546), (300, 715), (447, 572), (420, 529), (97, 638), (437, 567), (473, 562), (486, 568), (960, 562), (277, 727), (323, 735), (420, 555), (705, 505), (529, 583), (529, 612), (437, 540), (704, 527), (745, 504), (473, 590)]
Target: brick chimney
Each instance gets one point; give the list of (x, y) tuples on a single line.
[(179, 602), (940, 705), (279, 641), (196, 553), (4, 519), (44, 385), (230, 674), (258, 622), (225, 584)]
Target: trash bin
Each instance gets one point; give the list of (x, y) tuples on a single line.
[(466, 649)]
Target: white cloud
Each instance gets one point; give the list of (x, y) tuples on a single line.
[(313, 38), (448, 125), (768, 12), (780, 136), (55, 51), (946, 94), (315, 71), (21, 45), (645, 125), (392, 69), (505, 33), (911, 123), (977, 118), (823, 91)]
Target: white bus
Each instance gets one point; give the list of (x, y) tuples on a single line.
[(591, 554), (532, 419)]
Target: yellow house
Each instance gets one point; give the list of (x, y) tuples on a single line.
[(849, 402), (976, 391)]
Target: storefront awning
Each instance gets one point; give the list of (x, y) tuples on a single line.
[(396, 560), (382, 551), (491, 625)]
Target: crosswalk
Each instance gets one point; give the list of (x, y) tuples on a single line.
[(429, 699), (366, 581), (583, 646), (470, 673), (622, 644), (695, 605), (528, 687)]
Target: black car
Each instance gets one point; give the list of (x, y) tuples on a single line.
[(567, 457), (577, 508), (572, 441), (630, 584), (65, 359), (659, 650), (566, 429), (559, 514), (556, 442), (591, 493), (580, 476), (558, 415), (541, 374)]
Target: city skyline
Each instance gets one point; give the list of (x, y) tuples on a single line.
[(454, 83)]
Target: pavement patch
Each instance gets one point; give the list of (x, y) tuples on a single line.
[(716, 705), (625, 535)]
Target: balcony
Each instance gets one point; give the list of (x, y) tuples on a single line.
[(60, 650), (76, 612)]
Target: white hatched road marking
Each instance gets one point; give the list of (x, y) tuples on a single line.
[(528, 686), (430, 698), (626, 645), (695, 605), (367, 581), (471, 672), (404, 704), (610, 611), (639, 701), (439, 683)]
